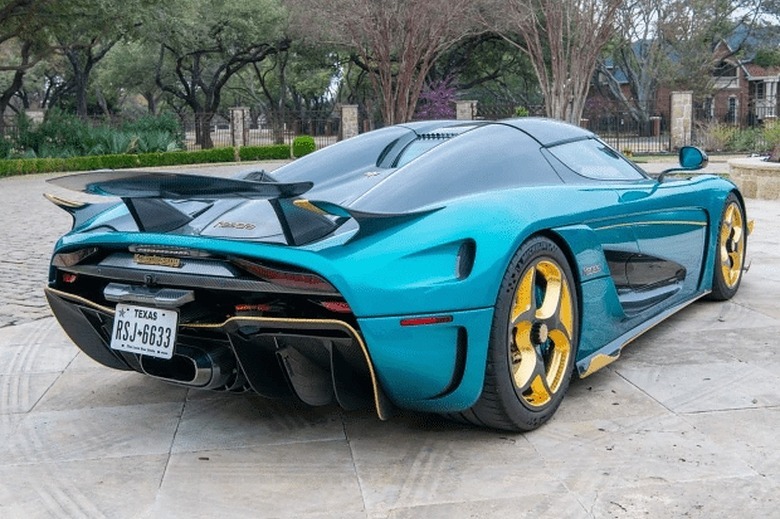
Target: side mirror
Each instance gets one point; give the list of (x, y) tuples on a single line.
[(691, 158)]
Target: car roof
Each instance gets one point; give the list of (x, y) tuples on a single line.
[(548, 132)]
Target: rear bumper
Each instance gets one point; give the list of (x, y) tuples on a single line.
[(438, 368), (318, 360)]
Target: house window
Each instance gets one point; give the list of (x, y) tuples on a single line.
[(760, 92), (731, 115), (724, 69)]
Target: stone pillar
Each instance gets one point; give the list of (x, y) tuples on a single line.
[(239, 126), (349, 122), (466, 110), (681, 120)]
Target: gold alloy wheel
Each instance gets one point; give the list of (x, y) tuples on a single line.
[(542, 320), (732, 245)]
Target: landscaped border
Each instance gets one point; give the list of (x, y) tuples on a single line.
[(14, 167)]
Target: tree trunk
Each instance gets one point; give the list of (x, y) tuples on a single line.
[(282, 104), (203, 130), (80, 80), (151, 102)]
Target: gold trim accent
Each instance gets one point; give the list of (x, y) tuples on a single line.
[(156, 260), (276, 320), (652, 222), (63, 202), (84, 301), (305, 204), (600, 359), (335, 322)]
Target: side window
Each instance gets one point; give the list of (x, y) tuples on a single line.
[(593, 159)]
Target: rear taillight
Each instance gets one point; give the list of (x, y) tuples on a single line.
[(339, 307), (285, 278), (68, 259)]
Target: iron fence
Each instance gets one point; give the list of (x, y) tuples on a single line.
[(629, 134), (260, 132), (495, 111)]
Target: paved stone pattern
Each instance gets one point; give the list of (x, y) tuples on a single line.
[(683, 425), (29, 226)]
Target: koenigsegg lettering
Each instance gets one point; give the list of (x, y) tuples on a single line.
[(242, 226), (160, 261), (591, 270)]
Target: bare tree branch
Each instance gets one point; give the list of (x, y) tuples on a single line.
[(563, 39)]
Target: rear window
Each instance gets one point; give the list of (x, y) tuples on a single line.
[(337, 159), (493, 156)]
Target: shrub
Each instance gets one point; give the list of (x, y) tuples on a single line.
[(772, 138), (749, 140), (119, 161), (65, 135), (303, 145), (521, 111), (164, 123), (716, 136), (272, 152), (5, 148)]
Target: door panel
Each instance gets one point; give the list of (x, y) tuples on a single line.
[(671, 235)]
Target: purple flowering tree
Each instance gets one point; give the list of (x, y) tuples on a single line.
[(437, 100)]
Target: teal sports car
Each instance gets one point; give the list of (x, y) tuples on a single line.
[(463, 268)]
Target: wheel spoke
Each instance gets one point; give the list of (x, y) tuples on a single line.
[(524, 356), (552, 293), (736, 237), (731, 245), (539, 391), (543, 322), (535, 388), (525, 303)]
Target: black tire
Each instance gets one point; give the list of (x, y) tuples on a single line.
[(533, 341), (731, 249)]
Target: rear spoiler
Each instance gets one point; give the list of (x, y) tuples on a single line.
[(144, 193), (131, 184)]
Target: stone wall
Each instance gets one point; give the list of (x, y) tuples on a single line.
[(756, 178)]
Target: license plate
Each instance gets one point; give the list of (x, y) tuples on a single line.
[(143, 330)]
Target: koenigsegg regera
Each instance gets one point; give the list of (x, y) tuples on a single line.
[(463, 268)]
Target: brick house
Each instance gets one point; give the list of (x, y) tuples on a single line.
[(745, 94)]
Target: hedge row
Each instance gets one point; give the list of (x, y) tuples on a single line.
[(142, 160)]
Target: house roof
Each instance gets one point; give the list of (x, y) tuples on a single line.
[(756, 71)]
